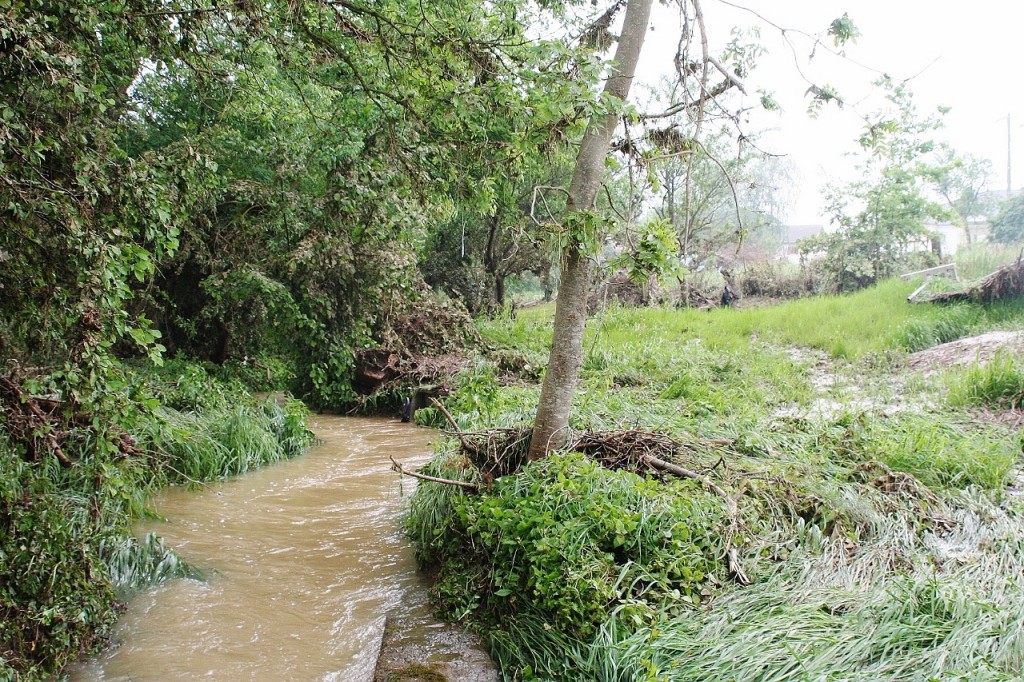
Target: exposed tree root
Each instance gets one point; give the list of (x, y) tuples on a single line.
[(41, 424)]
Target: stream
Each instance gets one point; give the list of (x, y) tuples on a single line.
[(302, 559)]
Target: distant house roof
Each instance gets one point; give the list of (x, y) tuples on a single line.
[(795, 233), (996, 195)]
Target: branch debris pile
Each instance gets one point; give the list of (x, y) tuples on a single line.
[(1005, 283)]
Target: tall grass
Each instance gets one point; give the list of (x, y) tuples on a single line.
[(996, 384), (952, 619), (229, 440), (133, 564), (983, 258)]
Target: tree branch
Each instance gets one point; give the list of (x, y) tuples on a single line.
[(395, 466)]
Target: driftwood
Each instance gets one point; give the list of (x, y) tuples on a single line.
[(496, 452), (1006, 282)]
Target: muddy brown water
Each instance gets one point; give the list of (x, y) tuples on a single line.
[(302, 561)]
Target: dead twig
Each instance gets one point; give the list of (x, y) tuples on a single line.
[(29, 421), (395, 466)]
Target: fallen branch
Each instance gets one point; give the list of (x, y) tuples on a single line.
[(395, 466), (682, 472), (451, 420), (736, 568)]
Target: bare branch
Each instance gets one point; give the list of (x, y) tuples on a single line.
[(728, 74), (537, 191), (395, 466), (728, 179)]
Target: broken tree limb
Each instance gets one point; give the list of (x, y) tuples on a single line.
[(451, 420), (728, 74), (395, 466), (683, 472)]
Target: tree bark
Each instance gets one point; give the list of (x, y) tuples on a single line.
[(499, 290), (550, 429), (545, 281)]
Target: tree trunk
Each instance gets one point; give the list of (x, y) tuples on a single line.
[(545, 281), (492, 262), (499, 289), (550, 429)]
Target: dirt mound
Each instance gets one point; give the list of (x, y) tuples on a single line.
[(967, 351)]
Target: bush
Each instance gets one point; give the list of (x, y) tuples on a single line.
[(567, 539), (779, 280)]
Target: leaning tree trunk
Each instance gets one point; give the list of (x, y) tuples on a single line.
[(552, 421)]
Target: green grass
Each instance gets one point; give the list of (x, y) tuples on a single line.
[(981, 259), (873, 320), (877, 530), (998, 384)]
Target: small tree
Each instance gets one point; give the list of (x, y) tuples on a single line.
[(881, 219), (1008, 224), (960, 180), (580, 226)]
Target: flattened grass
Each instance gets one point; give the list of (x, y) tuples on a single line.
[(879, 536)]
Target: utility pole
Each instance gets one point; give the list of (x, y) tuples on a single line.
[(1009, 173)]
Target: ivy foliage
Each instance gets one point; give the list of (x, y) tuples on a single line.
[(567, 540)]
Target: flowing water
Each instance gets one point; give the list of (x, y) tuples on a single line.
[(302, 561)]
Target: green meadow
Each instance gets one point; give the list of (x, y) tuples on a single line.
[(847, 518)]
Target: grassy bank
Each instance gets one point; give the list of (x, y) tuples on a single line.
[(66, 547), (845, 520)]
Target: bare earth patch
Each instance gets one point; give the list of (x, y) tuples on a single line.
[(963, 352), (840, 386)]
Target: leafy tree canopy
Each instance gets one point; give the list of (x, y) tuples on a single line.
[(1008, 223)]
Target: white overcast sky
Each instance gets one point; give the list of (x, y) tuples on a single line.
[(965, 55)]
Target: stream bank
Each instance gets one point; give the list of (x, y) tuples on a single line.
[(303, 562)]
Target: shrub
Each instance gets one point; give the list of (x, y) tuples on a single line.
[(568, 539)]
